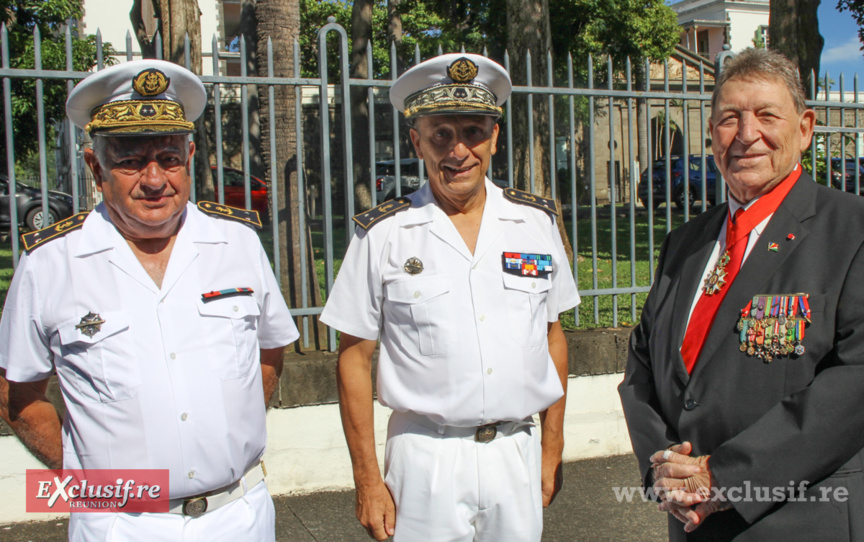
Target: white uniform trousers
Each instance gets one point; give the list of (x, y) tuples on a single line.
[(458, 490), (251, 517)]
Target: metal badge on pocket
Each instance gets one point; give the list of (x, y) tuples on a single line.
[(91, 324), (773, 325)]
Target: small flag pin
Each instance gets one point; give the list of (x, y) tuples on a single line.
[(791, 237), (773, 247)]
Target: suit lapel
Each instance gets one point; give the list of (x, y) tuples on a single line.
[(691, 279), (762, 264)]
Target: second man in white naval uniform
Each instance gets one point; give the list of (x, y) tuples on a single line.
[(463, 284)]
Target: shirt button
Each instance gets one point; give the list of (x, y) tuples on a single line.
[(184, 416), (689, 404), (489, 371), (482, 317), (191, 474), (172, 355), (416, 294), (236, 308), (533, 284)]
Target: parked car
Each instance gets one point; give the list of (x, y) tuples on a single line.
[(658, 168), (385, 177), (838, 176), (29, 203), (235, 191)]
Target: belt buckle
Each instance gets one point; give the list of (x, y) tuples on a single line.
[(195, 506), (486, 433)]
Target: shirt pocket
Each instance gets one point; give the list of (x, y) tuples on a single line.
[(232, 322), (102, 367), (422, 310), (526, 307)]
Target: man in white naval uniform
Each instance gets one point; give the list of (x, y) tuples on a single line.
[(163, 321), (463, 284)]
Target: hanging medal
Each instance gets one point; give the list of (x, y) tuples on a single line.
[(717, 278)]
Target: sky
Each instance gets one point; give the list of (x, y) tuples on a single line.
[(842, 49)]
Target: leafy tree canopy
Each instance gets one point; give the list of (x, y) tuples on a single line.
[(620, 28), (856, 8), (637, 29), (21, 18), (422, 26)]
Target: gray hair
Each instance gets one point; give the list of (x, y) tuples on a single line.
[(101, 144), (763, 65)]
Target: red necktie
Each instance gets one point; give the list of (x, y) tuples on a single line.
[(737, 234)]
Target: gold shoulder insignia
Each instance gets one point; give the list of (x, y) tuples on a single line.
[(250, 218), (37, 238), (373, 216), (526, 198)]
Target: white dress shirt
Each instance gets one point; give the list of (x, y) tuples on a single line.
[(463, 342), (169, 381)]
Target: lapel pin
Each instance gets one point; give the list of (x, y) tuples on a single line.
[(791, 237), (773, 247)]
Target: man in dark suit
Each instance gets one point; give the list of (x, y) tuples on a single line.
[(744, 388)]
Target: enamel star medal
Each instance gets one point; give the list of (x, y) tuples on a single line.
[(715, 281)]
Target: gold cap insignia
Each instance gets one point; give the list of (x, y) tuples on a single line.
[(462, 70), (150, 82)]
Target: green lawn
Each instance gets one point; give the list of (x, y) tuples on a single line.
[(585, 272)]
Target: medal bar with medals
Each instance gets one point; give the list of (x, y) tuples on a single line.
[(772, 326)]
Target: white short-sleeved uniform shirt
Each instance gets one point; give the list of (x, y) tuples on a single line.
[(462, 342), (169, 381)]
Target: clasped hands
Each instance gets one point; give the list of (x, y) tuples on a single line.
[(684, 485)]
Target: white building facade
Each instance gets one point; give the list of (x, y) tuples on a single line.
[(220, 18), (707, 25)]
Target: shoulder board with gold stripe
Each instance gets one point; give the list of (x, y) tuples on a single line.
[(373, 216), (250, 218), (526, 198), (37, 238)]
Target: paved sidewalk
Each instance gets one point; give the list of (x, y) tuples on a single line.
[(585, 510)]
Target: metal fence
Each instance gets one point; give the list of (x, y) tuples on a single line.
[(594, 166)]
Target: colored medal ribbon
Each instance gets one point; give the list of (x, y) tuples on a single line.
[(229, 292), (525, 264)]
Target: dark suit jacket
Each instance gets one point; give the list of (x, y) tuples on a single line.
[(765, 425)]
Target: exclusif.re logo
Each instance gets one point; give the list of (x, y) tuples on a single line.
[(97, 490)]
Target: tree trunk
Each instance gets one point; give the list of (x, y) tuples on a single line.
[(279, 20), (528, 31), (249, 34), (794, 32), (361, 36), (394, 31), (143, 33)]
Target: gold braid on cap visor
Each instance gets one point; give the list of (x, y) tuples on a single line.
[(139, 116), (452, 98)]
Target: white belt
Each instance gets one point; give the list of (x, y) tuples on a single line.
[(207, 502), (482, 433)]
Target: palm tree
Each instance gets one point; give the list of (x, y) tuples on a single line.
[(279, 22)]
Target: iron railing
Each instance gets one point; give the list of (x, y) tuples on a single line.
[(599, 185)]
